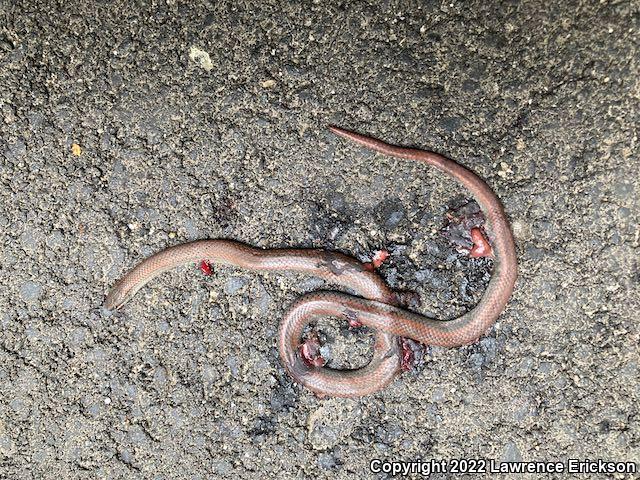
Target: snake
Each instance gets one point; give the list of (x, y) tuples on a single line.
[(366, 299)]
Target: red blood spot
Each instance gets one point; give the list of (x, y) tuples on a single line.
[(310, 352), (408, 357), (378, 259), (481, 246), (205, 267), (412, 354)]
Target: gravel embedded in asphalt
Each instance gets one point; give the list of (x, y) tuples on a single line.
[(125, 129)]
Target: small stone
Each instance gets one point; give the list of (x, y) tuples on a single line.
[(222, 467), (437, 395), (264, 300), (126, 457), (234, 284), (336, 201), (489, 347), (423, 275), (76, 149), (511, 453), (17, 149), (505, 170), (331, 423), (391, 213), (6, 445), (160, 376), (450, 124), (326, 461), (55, 239), (30, 291), (477, 361), (232, 363), (200, 58)]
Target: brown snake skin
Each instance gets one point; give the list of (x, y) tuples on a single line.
[(375, 304)]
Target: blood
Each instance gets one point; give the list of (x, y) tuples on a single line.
[(465, 231), (205, 268), (310, 351), (406, 363), (378, 259), (481, 246), (412, 354)]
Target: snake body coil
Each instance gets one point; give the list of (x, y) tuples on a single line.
[(375, 307)]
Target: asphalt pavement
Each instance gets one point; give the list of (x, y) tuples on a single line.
[(127, 127)]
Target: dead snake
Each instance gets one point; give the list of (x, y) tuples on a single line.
[(376, 304)]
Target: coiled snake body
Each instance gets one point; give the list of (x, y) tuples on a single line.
[(376, 305)]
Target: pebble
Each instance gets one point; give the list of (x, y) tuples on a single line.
[(232, 363), (450, 124), (437, 395), (30, 291), (390, 434), (126, 457), (234, 284), (392, 212), (137, 435), (336, 201), (489, 347), (264, 300), (16, 150), (511, 453), (222, 467), (327, 461), (6, 445)]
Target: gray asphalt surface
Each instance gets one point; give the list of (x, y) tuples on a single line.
[(206, 120)]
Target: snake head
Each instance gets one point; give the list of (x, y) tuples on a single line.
[(117, 297)]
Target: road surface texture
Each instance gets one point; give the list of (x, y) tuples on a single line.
[(129, 127)]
